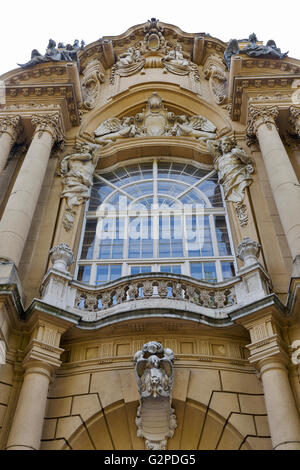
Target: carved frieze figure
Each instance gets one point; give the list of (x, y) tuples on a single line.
[(234, 167), (112, 129), (77, 177), (156, 420), (128, 63), (175, 62), (195, 126), (55, 54)]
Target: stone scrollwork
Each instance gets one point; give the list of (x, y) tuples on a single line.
[(215, 71), (93, 76), (154, 120), (77, 177), (234, 168), (156, 420)]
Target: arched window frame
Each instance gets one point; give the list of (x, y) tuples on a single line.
[(154, 262)]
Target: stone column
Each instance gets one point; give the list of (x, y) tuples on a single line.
[(269, 354), (9, 129), (19, 211), (282, 178), (40, 362), (26, 431), (282, 412)]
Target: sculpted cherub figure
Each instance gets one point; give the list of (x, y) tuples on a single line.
[(196, 126), (112, 129), (234, 167)]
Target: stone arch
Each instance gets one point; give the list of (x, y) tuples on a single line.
[(199, 428), (174, 98)]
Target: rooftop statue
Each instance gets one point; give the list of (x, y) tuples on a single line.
[(270, 50), (55, 53)]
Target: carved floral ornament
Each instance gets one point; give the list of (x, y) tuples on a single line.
[(11, 125), (49, 123), (294, 119), (258, 115), (214, 70)]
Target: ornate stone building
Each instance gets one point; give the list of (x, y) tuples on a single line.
[(150, 245)]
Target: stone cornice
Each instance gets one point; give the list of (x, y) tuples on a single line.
[(53, 95), (278, 89)]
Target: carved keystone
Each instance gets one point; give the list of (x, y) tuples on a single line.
[(248, 251), (61, 256), (155, 420)]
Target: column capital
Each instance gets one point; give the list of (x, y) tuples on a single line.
[(50, 123), (10, 125), (294, 118), (258, 115)]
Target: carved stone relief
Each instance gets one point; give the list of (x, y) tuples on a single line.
[(156, 420), (77, 177), (215, 71), (154, 120), (93, 76)]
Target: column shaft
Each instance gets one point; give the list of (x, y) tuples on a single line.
[(284, 183), (27, 427), (283, 415), (19, 211)]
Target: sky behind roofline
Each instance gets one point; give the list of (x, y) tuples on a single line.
[(29, 24)]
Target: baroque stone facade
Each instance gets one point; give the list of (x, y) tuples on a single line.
[(151, 342)]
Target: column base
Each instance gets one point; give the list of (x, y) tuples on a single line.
[(296, 267), (293, 445)]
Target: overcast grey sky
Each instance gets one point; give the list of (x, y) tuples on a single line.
[(28, 24)]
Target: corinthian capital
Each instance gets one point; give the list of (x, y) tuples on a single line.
[(50, 123), (294, 118), (10, 125), (258, 115)]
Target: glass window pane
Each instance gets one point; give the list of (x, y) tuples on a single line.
[(115, 271), (222, 235), (204, 271), (84, 273), (140, 269), (227, 270), (89, 239), (102, 274), (175, 269)]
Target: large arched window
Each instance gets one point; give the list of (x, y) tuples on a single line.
[(155, 216)]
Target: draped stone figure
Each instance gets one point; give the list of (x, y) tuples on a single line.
[(234, 167), (77, 172)]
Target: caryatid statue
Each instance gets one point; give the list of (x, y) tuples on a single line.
[(234, 167), (77, 172)]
